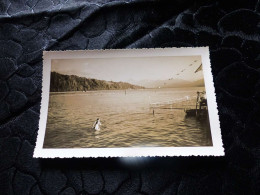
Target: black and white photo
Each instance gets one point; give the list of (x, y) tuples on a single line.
[(138, 102)]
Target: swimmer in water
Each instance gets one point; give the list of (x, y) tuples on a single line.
[(97, 124)]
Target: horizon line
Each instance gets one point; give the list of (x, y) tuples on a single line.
[(127, 81)]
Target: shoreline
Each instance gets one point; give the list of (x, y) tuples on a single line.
[(74, 92)]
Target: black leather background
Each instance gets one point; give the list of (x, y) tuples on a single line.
[(230, 28)]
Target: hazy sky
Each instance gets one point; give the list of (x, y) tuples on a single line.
[(131, 69)]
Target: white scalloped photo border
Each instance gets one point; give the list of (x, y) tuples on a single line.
[(215, 150)]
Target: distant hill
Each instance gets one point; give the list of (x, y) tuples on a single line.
[(62, 83), (160, 83), (173, 83)]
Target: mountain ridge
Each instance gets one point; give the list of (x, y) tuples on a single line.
[(62, 83), (170, 83)]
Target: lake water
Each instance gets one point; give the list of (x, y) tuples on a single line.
[(126, 117)]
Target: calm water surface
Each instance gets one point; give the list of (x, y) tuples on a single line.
[(126, 117)]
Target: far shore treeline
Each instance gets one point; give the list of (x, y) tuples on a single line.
[(62, 83)]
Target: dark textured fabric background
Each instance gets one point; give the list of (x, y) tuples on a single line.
[(230, 28)]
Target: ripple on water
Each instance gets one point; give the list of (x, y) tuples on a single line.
[(126, 121)]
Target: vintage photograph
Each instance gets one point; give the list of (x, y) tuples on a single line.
[(127, 101)]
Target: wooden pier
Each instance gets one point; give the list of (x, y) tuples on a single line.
[(201, 109)]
